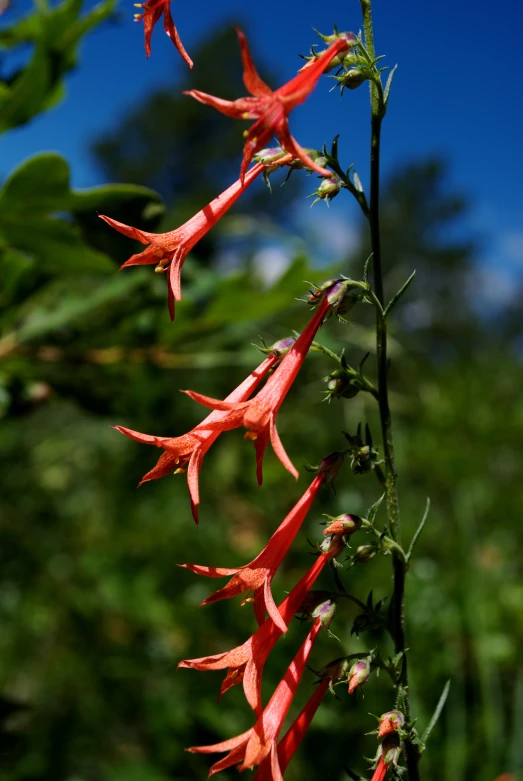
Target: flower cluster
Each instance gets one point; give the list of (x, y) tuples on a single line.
[(245, 663), (168, 251), (254, 406)]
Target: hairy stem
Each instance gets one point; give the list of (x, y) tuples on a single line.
[(391, 491)]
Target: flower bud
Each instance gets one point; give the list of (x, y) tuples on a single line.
[(314, 155), (341, 293), (325, 612), (358, 674), (352, 79), (317, 294), (352, 59), (268, 156), (343, 524), (329, 188), (283, 346), (390, 722), (349, 37), (364, 554)]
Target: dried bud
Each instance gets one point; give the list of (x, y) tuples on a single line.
[(390, 722), (336, 670), (364, 554), (366, 622), (340, 384), (329, 188), (343, 524), (358, 674), (312, 600), (325, 612), (329, 467)]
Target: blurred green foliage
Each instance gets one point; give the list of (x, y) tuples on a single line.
[(95, 614)]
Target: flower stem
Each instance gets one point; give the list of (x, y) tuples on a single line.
[(391, 491)]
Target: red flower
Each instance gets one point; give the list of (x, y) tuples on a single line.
[(245, 662), (153, 9), (290, 742), (271, 108), (251, 747), (170, 249), (259, 415), (380, 772), (258, 574), (189, 449), (390, 722)]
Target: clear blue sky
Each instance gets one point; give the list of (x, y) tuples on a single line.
[(457, 92)]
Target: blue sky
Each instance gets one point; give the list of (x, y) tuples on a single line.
[(456, 93)]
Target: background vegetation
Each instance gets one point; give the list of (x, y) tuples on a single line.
[(94, 612)]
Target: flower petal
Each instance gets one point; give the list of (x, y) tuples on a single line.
[(290, 145), (218, 404), (167, 464), (251, 79), (270, 605), (193, 473), (225, 745), (231, 108), (172, 32), (280, 450), (129, 231)]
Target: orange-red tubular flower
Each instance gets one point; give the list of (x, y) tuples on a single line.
[(169, 250), (251, 747), (271, 108), (259, 414), (245, 662), (290, 742), (152, 10), (189, 449), (380, 772), (258, 574)]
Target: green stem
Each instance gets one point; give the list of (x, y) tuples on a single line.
[(391, 491)]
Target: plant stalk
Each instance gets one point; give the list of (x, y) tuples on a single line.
[(391, 491)]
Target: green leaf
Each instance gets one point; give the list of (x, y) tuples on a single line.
[(437, 713), (388, 85), (419, 530), (55, 34), (42, 321), (39, 189), (39, 184), (57, 245)]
